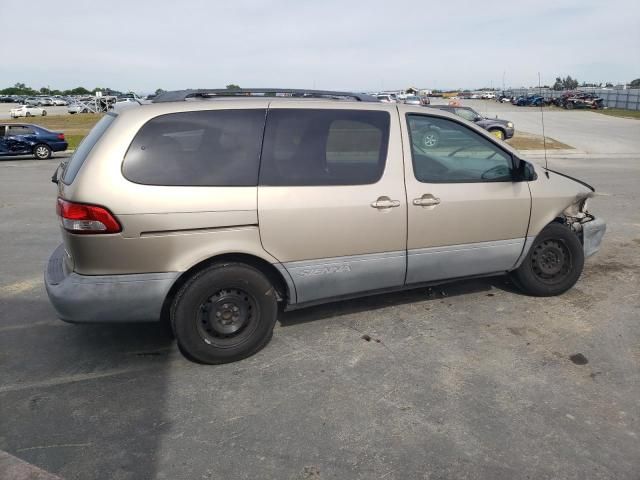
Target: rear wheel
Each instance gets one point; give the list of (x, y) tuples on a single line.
[(27, 114), (42, 152), (224, 313), (569, 105), (44, 113), (554, 262)]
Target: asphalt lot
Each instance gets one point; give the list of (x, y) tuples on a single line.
[(470, 380), (587, 131)]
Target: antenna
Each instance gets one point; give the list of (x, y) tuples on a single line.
[(544, 137)]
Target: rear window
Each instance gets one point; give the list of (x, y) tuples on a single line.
[(87, 144), (207, 148)]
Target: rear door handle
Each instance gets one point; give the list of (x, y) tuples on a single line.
[(385, 202), (427, 200)]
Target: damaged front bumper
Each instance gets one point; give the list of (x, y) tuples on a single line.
[(592, 233)]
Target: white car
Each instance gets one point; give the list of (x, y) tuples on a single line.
[(59, 102), (77, 108), (27, 111), (385, 98)]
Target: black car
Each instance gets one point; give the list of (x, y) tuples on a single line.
[(502, 129), (27, 139)]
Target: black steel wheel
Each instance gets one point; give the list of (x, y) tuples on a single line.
[(551, 261), (228, 314), (553, 264), (224, 313)]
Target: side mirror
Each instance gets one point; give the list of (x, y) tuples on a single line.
[(524, 171)]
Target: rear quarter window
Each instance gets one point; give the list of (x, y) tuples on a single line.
[(81, 153), (204, 148)]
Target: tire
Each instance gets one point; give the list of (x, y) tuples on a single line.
[(42, 151), (224, 313), (569, 106), (84, 110), (27, 114), (44, 113), (496, 132), (553, 264)]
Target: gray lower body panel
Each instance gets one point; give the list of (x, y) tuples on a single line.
[(592, 233), (456, 261), (335, 277), (105, 298)]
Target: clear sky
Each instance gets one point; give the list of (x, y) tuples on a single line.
[(142, 45)]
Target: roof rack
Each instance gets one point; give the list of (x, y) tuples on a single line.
[(182, 95)]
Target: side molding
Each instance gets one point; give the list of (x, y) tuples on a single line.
[(334, 277)]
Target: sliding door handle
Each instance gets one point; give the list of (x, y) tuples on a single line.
[(427, 200)]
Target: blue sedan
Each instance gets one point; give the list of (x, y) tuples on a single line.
[(27, 139)]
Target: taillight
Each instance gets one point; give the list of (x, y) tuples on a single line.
[(83, 218), (61, 136)]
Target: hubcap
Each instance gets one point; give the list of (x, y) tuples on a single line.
[(551, 261), (430, 140), (42, 152), (227, 313)]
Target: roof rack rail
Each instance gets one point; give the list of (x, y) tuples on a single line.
[(182, 95)]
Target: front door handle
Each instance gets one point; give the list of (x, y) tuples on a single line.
[(385, 202), (427, 200)]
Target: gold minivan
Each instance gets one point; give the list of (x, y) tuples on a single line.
[(210, 210)]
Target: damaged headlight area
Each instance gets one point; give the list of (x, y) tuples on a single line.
[(589, 228)]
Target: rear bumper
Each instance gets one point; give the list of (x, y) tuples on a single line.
[(592, 233), (105, 298), (58, 146)]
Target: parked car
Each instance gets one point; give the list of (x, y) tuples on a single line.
[(501, 129), (77, 108), (59, 102), (27, 111), (220, 211), (385, 98), (33, 101), (44, 101), (424, 100), (529, 101), (583, 100), (28, 139), (412, 100)]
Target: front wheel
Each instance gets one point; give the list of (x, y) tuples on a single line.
[(496, 132), (44, 113), (224, 313), (554, 262), (27, 114)]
